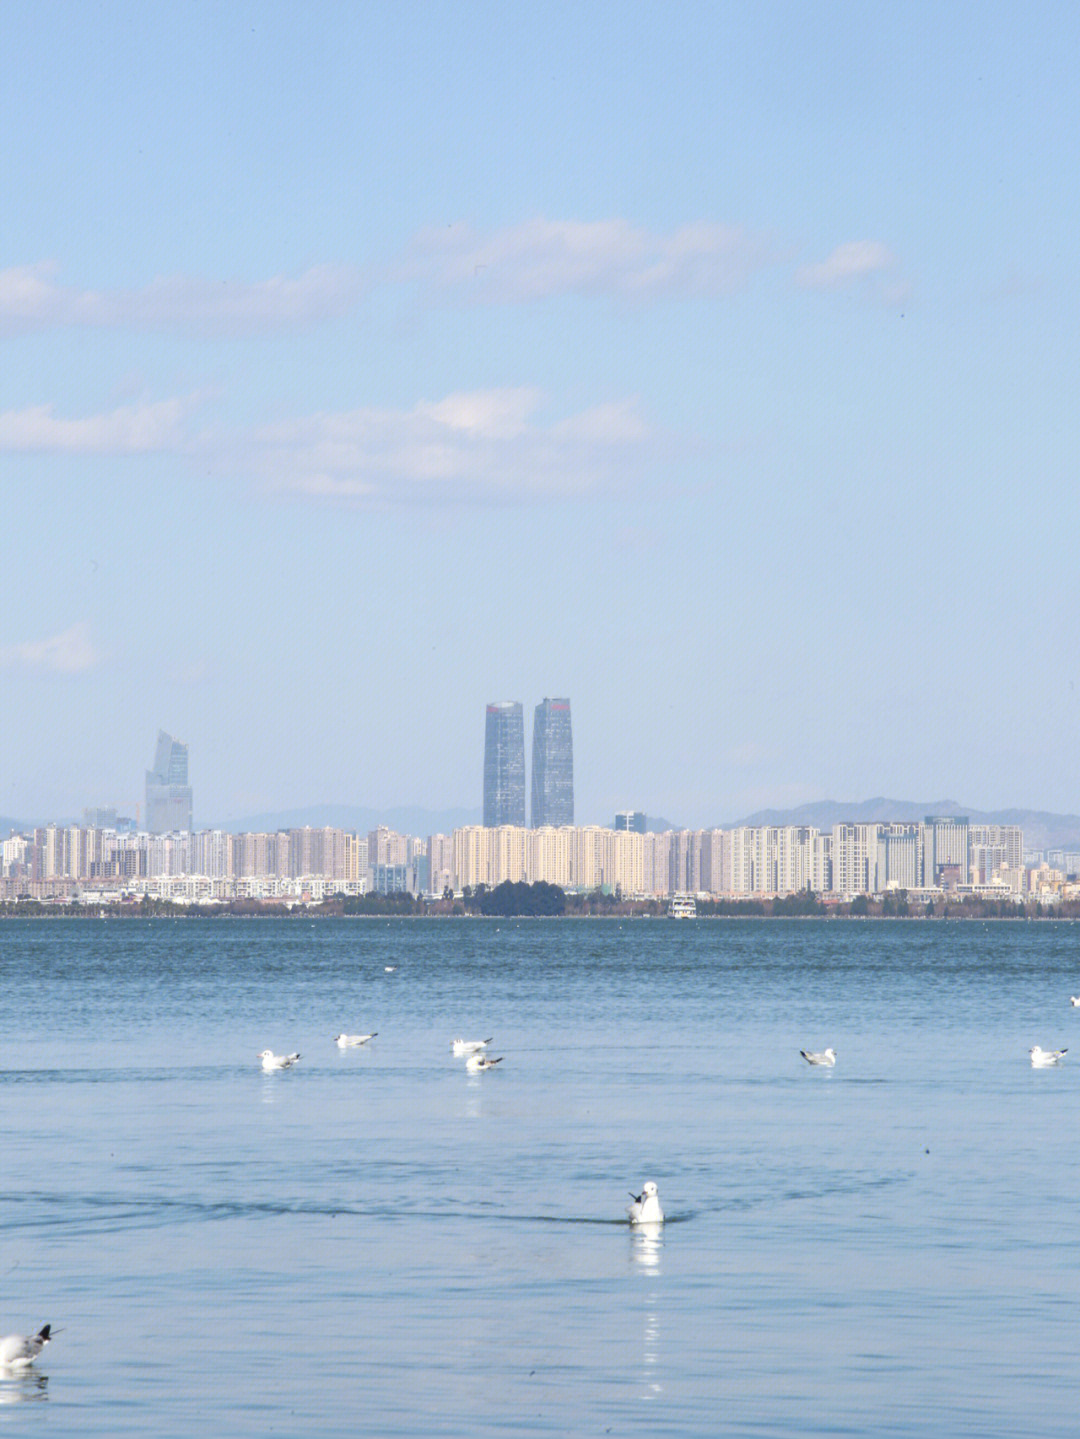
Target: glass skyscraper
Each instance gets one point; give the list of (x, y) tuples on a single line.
[(553, 765), (168, 794), (504, 765)]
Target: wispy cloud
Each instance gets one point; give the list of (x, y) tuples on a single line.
[(535, 260), (481, 446), (847, 264), (541, 258), (131, 429), (31, 299), (71, 652), (489, 445)]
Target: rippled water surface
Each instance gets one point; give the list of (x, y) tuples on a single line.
[(377, 1242)]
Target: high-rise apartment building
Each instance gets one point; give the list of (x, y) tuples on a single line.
[(946, 854), (900, 857), (99, 817), (504, 765), (634, 821), (553, 765), (168, 794)]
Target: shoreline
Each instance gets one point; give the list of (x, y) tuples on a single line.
[(192, 912)]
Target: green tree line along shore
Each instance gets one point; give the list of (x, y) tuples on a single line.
[(547, 901)]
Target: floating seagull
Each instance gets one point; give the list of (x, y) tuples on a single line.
[(646, 1206), (1044, 1058), (463, 1047), (389, 968), (351, 1041), (272, 1061), (478, 1062), (19, 1350), (1074, 1000), (827, 1057)]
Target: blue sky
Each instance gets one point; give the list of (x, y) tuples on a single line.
[(714, 365)]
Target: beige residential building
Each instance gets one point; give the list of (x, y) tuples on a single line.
[(794, 869), (587, 857), (657, 862), (472, 856), (508, 849), (386, 846), (855, 858), (440, 852), (628, 851), (548, 855)]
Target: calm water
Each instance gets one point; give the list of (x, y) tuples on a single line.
[(376, 1242)]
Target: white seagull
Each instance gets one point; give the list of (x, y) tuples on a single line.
[(272, 1061), (1044, 1058), (646, 1206), (827, 1057), (389, 968), (478, 1062), (352, 1041), (19, 1350), (1074, 1000), (462, 1048)]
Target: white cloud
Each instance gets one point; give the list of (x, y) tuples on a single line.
[(534, 260), (30, 299), (849, 263), (476, 446), (542, 257), (131, 429), (68, 653), (487, 445)]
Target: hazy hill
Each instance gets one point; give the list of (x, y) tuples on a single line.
[(1042, 830), (405, 820)]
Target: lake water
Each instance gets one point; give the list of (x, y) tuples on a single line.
[(378, 1243)]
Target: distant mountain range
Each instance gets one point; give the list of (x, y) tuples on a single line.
[(1041, 829), (406, 819)]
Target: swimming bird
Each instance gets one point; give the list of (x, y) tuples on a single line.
[(478, 1062), (1044, 1058), (352, 1041), (272, 1061), (646, 1206), (19, 1350), (389, 968), (463, 1047), (827, 1057), (1074, 1000)]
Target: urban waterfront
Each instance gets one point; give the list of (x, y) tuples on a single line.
[(378, 1240), (944, 857)]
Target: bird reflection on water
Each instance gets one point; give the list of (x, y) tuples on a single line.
[(646, 1249), (646, 1246), (23, 1388)]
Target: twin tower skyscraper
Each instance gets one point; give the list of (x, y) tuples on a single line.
[(552, 768)]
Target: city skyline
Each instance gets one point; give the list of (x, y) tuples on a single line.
[(1055, 827), (169, 797), (169, 800), (938, 855), (714, 365)]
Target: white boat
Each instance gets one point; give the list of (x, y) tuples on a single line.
[(682, 906)]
